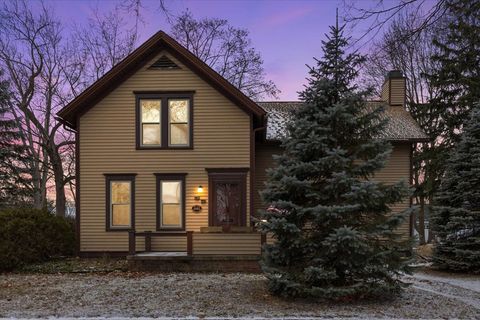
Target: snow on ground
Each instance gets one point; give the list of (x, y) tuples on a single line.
[(201, 295), (468, 282)]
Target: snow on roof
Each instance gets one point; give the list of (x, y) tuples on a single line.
[(401, 126)]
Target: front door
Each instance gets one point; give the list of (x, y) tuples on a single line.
[(227, 199)]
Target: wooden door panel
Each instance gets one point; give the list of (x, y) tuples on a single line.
[(227, 205), (227, 200)]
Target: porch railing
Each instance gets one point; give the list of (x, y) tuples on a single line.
[(148, 235), (132, 243)]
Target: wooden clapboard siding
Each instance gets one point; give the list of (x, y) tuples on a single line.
[(107, 144), (263, 161), (397, 91), (396, 169), (393, 91), (226, 243)]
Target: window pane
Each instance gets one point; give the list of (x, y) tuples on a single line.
[(179, 134), (150, 110), (171, 215), (171, 191), (151, 134), (120, 215), (120, 191), (178, 110)]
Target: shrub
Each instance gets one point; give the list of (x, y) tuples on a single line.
[(30, 235)]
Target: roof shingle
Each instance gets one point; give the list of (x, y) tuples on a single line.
[(401, 126)]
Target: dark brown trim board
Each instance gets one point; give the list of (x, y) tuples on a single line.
[(252, 169), (166, 177), (253, 163), (227, 174), (77, 188), (227, 170), (163, 96), (411, 182), (119, 177), (390, 91), (136, 60), (101, 254)]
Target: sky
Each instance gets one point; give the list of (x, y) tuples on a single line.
[(287, 33)]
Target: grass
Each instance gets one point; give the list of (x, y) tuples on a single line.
[(76, 265)]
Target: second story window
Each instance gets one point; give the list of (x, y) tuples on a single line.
[(165, 121), (151, 122), (178, 110)]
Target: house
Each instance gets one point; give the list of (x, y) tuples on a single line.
[(171, 156)]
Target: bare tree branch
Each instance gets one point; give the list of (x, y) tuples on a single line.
[(227, 50)]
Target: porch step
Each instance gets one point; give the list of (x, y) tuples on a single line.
[(181, 262), (162, 256)]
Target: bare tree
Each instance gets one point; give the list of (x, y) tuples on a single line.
[(30, 42), (22, 58), (46, 71), (378, 15), (413, 55), (100, 45), (226, 49)]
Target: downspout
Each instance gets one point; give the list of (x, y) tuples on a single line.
[(66, 126), (252, 162)]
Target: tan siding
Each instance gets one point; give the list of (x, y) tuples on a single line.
[(107, 144), (397, 88), (226, 243), (263, 161), (397, 169), (397, 96)]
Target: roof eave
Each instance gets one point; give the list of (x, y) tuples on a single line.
[(130, 64)]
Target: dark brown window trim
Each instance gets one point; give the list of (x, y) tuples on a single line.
[(227, 170), (167, 93), (166, 177), (115, 177), (77, 187), (164, 128)]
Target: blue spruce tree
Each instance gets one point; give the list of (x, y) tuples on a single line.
[(456, 214), (334, 229)]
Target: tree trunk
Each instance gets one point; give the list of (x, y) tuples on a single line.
[(37, 190), (421, 221), (57, 168), (431, 234)]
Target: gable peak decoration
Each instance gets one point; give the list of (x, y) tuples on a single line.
[(164, 62)]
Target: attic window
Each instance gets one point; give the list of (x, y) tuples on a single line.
[(164, 63)]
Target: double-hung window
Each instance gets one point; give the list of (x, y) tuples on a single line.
[(178, 115), (120, 202), (165, 121), (151, 132), (170, 201)]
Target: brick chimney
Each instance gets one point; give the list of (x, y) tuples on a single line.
[(394, 88)]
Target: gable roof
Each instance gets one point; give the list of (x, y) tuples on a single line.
[(134, 61), (400, 127)]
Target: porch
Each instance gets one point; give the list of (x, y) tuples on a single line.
[(210, 250)]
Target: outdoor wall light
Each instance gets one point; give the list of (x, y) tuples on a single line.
[(200, 189)]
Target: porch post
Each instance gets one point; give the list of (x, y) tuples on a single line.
[(263, 240), (148, 241), (189, 243), (131, 242)]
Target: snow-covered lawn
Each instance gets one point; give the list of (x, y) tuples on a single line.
[(123, 294)]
